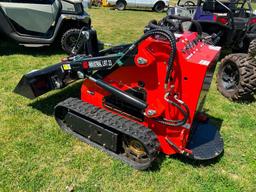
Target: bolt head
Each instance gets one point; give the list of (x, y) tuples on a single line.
[(151, 112), (142, 61)]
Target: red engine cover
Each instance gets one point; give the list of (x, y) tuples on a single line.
[(191, 77)]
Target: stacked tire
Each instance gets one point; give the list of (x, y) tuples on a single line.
[(236, 78), (252, 49)]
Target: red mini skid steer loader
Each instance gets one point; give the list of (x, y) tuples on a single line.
[(137, 99)]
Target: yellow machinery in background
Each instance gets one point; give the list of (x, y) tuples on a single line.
[(105, 3)]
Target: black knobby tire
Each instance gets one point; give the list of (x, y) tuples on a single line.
[(246, 41), (252, 49), (69, 40), (159, 7), (236, 78), (120, 5), (252, 29)]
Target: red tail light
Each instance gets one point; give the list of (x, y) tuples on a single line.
[(252, 21), (85, 64), (222, 20)]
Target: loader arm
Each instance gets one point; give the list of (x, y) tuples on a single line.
[(58, 76)]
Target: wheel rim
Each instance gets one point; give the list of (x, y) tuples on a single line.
[(135, 150), (120, 6), (230, 76), (72, 40), (136, 147), (159, 7)]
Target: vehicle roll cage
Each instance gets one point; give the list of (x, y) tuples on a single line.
[(210, 5)]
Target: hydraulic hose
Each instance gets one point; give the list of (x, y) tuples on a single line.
[(184, 112), (162, 32), (154, 25), (75, 49)]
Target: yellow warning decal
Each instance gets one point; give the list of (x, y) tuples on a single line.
[(66, 67)]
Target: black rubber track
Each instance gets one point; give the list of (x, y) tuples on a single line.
[(247, 77), (252, 49), (113, 121)]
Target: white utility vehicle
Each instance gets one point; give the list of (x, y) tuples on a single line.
[(156, 5)]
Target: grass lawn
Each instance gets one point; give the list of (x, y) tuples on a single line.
[(35, 155)]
